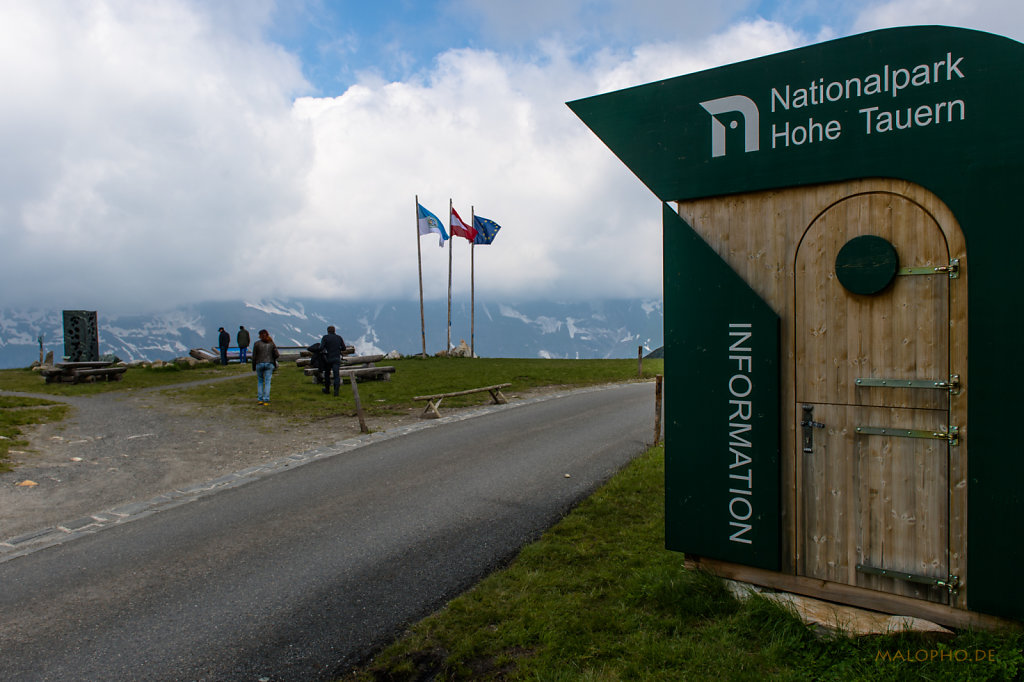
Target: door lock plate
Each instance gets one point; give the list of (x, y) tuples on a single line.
[(809, 425)]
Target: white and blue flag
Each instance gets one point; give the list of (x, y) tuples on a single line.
[(428, 223)]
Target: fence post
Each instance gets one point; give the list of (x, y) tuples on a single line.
[(640, 362), (359, 405), (657, 409)]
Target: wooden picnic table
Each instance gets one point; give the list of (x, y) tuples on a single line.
[(360, 367), (77, 372)]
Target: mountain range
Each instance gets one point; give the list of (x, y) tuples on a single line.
[(532, 329)]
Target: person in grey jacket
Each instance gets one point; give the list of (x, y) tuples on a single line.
[(243, 343), (264, 362)]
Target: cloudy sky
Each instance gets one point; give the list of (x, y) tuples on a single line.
[(169, 152)]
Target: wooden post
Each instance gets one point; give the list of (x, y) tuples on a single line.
[(657, 409), (359, 405), (419, 261), (640, 362)]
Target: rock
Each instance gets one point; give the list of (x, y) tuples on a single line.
[(461, 351)]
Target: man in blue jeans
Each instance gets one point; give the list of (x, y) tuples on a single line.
[(332, 346), (264, 362), (243, 344)]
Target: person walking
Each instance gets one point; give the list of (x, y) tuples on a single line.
[(264, 362), (243, 344), (223, 341), (332, 346)]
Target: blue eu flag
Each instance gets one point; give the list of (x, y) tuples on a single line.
[(486, 230)]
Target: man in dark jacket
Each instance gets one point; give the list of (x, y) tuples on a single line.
[(332, 346), (243, 343), (223, 341)]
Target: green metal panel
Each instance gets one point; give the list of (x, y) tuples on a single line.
[(937, 106), (722, 407)]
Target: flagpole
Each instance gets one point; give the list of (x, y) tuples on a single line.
[(448, 348), (419, 261), (472, 287)]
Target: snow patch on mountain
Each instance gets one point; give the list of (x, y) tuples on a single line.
[(650, 307), (278, 308), (367, 344), (547, 325)]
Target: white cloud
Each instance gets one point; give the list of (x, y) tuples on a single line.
[(656, 61), (159, 153), (1002, 17), (145, 151), (162, 160), (492, 132)]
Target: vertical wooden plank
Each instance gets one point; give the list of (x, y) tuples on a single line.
[(359, 404)]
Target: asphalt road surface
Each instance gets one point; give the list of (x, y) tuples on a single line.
[(300, 574)]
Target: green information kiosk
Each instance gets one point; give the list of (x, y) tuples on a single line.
[(843, 318)]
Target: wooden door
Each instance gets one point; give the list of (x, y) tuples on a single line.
[(872, 504)]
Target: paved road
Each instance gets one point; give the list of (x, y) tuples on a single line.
[(297, 575)]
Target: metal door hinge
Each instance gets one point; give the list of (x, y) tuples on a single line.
[(951, 583), (953, 385), (952, 436), (953, 269)]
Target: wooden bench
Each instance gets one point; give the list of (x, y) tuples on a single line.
[(367, 360), (54, 374), (363, 367), (434, 401), (107, 373), (359, 373), (78, 372)]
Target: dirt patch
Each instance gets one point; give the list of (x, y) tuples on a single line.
[(117, 448)]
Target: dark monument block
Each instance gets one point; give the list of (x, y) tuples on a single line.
[(81, 336)]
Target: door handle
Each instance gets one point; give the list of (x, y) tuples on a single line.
[(809, 425)]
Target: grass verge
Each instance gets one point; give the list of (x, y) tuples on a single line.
[(598, 598), (28, 381), (293, 395)]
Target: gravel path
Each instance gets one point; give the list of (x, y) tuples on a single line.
[(116, 448)]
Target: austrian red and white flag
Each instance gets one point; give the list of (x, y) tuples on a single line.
[(461, 229)]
